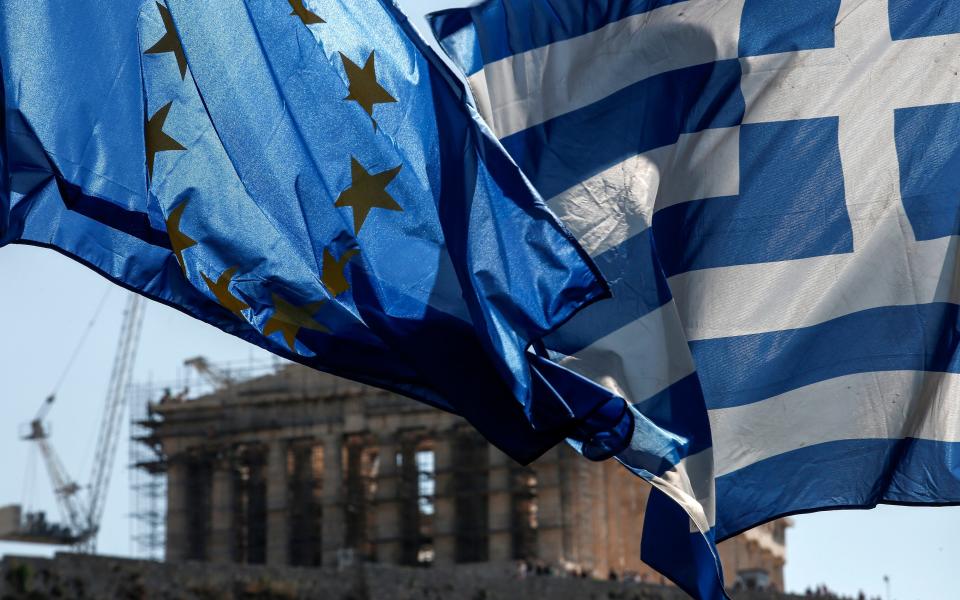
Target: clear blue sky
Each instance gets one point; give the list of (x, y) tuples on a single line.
[(48, 300)]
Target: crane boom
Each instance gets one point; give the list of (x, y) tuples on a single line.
[(218, 377), (64, 489), (110, 423)]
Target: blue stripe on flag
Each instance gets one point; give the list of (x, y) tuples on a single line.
[(544, 23), (668, 427), (680, 409), (842, 474), (928, 149), (569, 149), (786, 168), (744, 369), (5, 187), (455, 31), (688, 558), (923, 18), (787, 25), (638, 287)]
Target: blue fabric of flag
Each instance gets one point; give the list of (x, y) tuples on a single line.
[(312, 181), (771, 189), (564, 151)]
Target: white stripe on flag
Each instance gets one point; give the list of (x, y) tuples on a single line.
[(733, 301), (690, 484), (638, 360), (611, 207), (618, 203), (527, 89), (876, 405)]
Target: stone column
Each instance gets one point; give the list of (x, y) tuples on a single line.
[(387, 503), (549, 508), (444, 519), (593, 498), (408, 496), (568, 467), (333, 506), (499, 510), (222, 540), (278, 521), (176, 528), (615, 517)]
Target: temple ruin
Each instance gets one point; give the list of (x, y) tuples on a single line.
[(306, 469)]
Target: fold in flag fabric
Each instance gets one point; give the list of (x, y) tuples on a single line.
[(307, 176), (773, 191)]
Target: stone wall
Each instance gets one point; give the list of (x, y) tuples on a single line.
[(78, 577)]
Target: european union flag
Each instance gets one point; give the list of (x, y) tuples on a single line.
[(308, 176)]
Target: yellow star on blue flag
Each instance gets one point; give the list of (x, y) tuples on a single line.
[(367, 192)]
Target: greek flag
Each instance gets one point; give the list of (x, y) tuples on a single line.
[(773, 190)]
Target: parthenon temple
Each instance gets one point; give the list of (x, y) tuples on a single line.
[(303, 468)]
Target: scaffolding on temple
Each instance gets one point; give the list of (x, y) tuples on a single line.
[(147, 460), (148, 483)]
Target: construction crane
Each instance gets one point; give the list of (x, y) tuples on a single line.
[(82, 516), (106, 452), (64, 489), (215, 376)]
